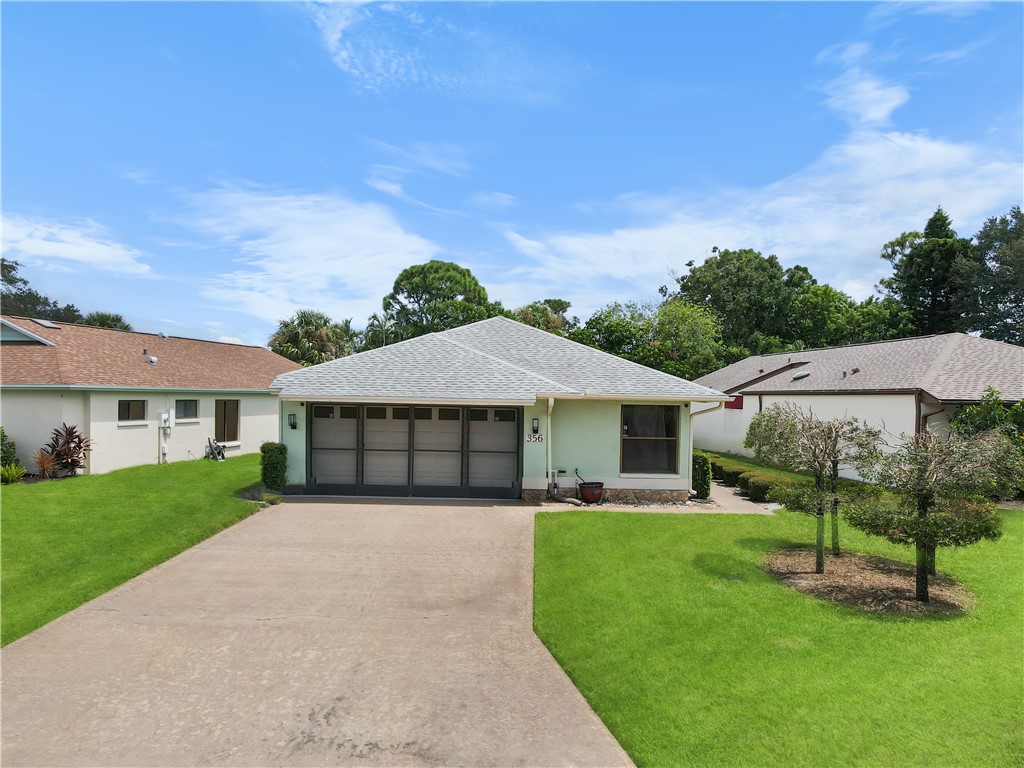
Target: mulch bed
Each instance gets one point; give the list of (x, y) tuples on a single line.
[(867, 582)]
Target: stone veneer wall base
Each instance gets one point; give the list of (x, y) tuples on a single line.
[(619, 496)]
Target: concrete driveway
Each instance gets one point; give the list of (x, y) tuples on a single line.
[(311, 634)]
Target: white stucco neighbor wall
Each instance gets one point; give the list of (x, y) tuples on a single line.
[(29, 416), (895, 415)]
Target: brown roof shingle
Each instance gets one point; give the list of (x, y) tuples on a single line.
[(84, 355), (951, 367)]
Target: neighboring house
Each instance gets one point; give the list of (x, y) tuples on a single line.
[(141, 398), (495, 409), (900, 386)]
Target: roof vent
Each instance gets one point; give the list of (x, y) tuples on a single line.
[(162, 335), (855, 370), (801, 375), (45, 323)]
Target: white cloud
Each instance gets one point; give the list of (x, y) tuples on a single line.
[(390, 46), (957, 54), (832, 216), (140, 176), (847, 54), (59, 245), (886, 13), (863, 98), (230, 340), (492, 201), (423, 156), (299, 249), (396, 190)]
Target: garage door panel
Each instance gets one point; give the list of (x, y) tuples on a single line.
[(334, 433), (386, 434), (493, 436), (437, 468), (438, 435), (335, 467), (386, 468), (492, 470)]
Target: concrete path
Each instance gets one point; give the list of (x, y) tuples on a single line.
[(311, 634), (732, 501)]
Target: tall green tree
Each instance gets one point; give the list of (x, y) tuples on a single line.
[(548, 315), (996, 278), (20, 299), (381, 329), (437, 296), (881, 319), (107, 320), (675, 336), (751, 294), (309, 337), (932, 275), (821, 316)]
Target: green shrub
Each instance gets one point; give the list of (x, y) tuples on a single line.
[(731, 474), (271, 498), (8, 450), (743, 481), (701, 476), (716, 469), (760, 486), (274, 465), (68, 447), (11, 473)]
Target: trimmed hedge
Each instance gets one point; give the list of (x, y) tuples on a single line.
[(759, 487), (274, 465), (731, 474), (701, 475)]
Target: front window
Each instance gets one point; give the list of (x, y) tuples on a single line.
[(650, 439), (226, 421)]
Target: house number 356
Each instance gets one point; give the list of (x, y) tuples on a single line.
[(535, 438)]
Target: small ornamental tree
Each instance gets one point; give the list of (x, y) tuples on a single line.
[(941, 485), (786, 436)]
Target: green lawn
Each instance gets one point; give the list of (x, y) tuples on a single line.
[(65, 542), (693, 655)]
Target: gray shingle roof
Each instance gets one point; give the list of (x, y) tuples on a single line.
[(951, 367), (493, 361)]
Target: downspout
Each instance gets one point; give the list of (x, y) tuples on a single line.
[(551, 479), (693, 413), (922, 418)]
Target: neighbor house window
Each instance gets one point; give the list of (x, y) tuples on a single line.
[(226, 422), (131, 410), (186, 409), (650, 438)]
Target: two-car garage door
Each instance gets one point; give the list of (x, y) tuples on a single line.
[(415, 450)]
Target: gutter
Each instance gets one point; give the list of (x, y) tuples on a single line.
[(720, 406), (551, 479)]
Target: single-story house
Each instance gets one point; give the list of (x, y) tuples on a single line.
[(494, 409), (141, 398), (901, 386)]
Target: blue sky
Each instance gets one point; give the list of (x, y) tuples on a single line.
[(208, 168)]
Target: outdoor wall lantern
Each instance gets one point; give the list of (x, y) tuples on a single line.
[(293, 421), (536, 426)]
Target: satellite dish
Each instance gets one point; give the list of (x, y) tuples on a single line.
[(162, 335)]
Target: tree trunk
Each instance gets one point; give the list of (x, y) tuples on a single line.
[(819, 555), (835, 507), (921, 592), (931, 561)]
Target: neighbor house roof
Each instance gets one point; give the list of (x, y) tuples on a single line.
[(71, 355), (950, 367), (492, 361)]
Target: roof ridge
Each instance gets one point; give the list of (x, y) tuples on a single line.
[(62, 323), (507, 363), (940, 359), (856, 344)]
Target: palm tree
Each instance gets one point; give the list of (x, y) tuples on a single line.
[(107, 320), (310, 337), (381, 329)]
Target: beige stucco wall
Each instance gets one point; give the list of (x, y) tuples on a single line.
[(34, 413), (30, 416)]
